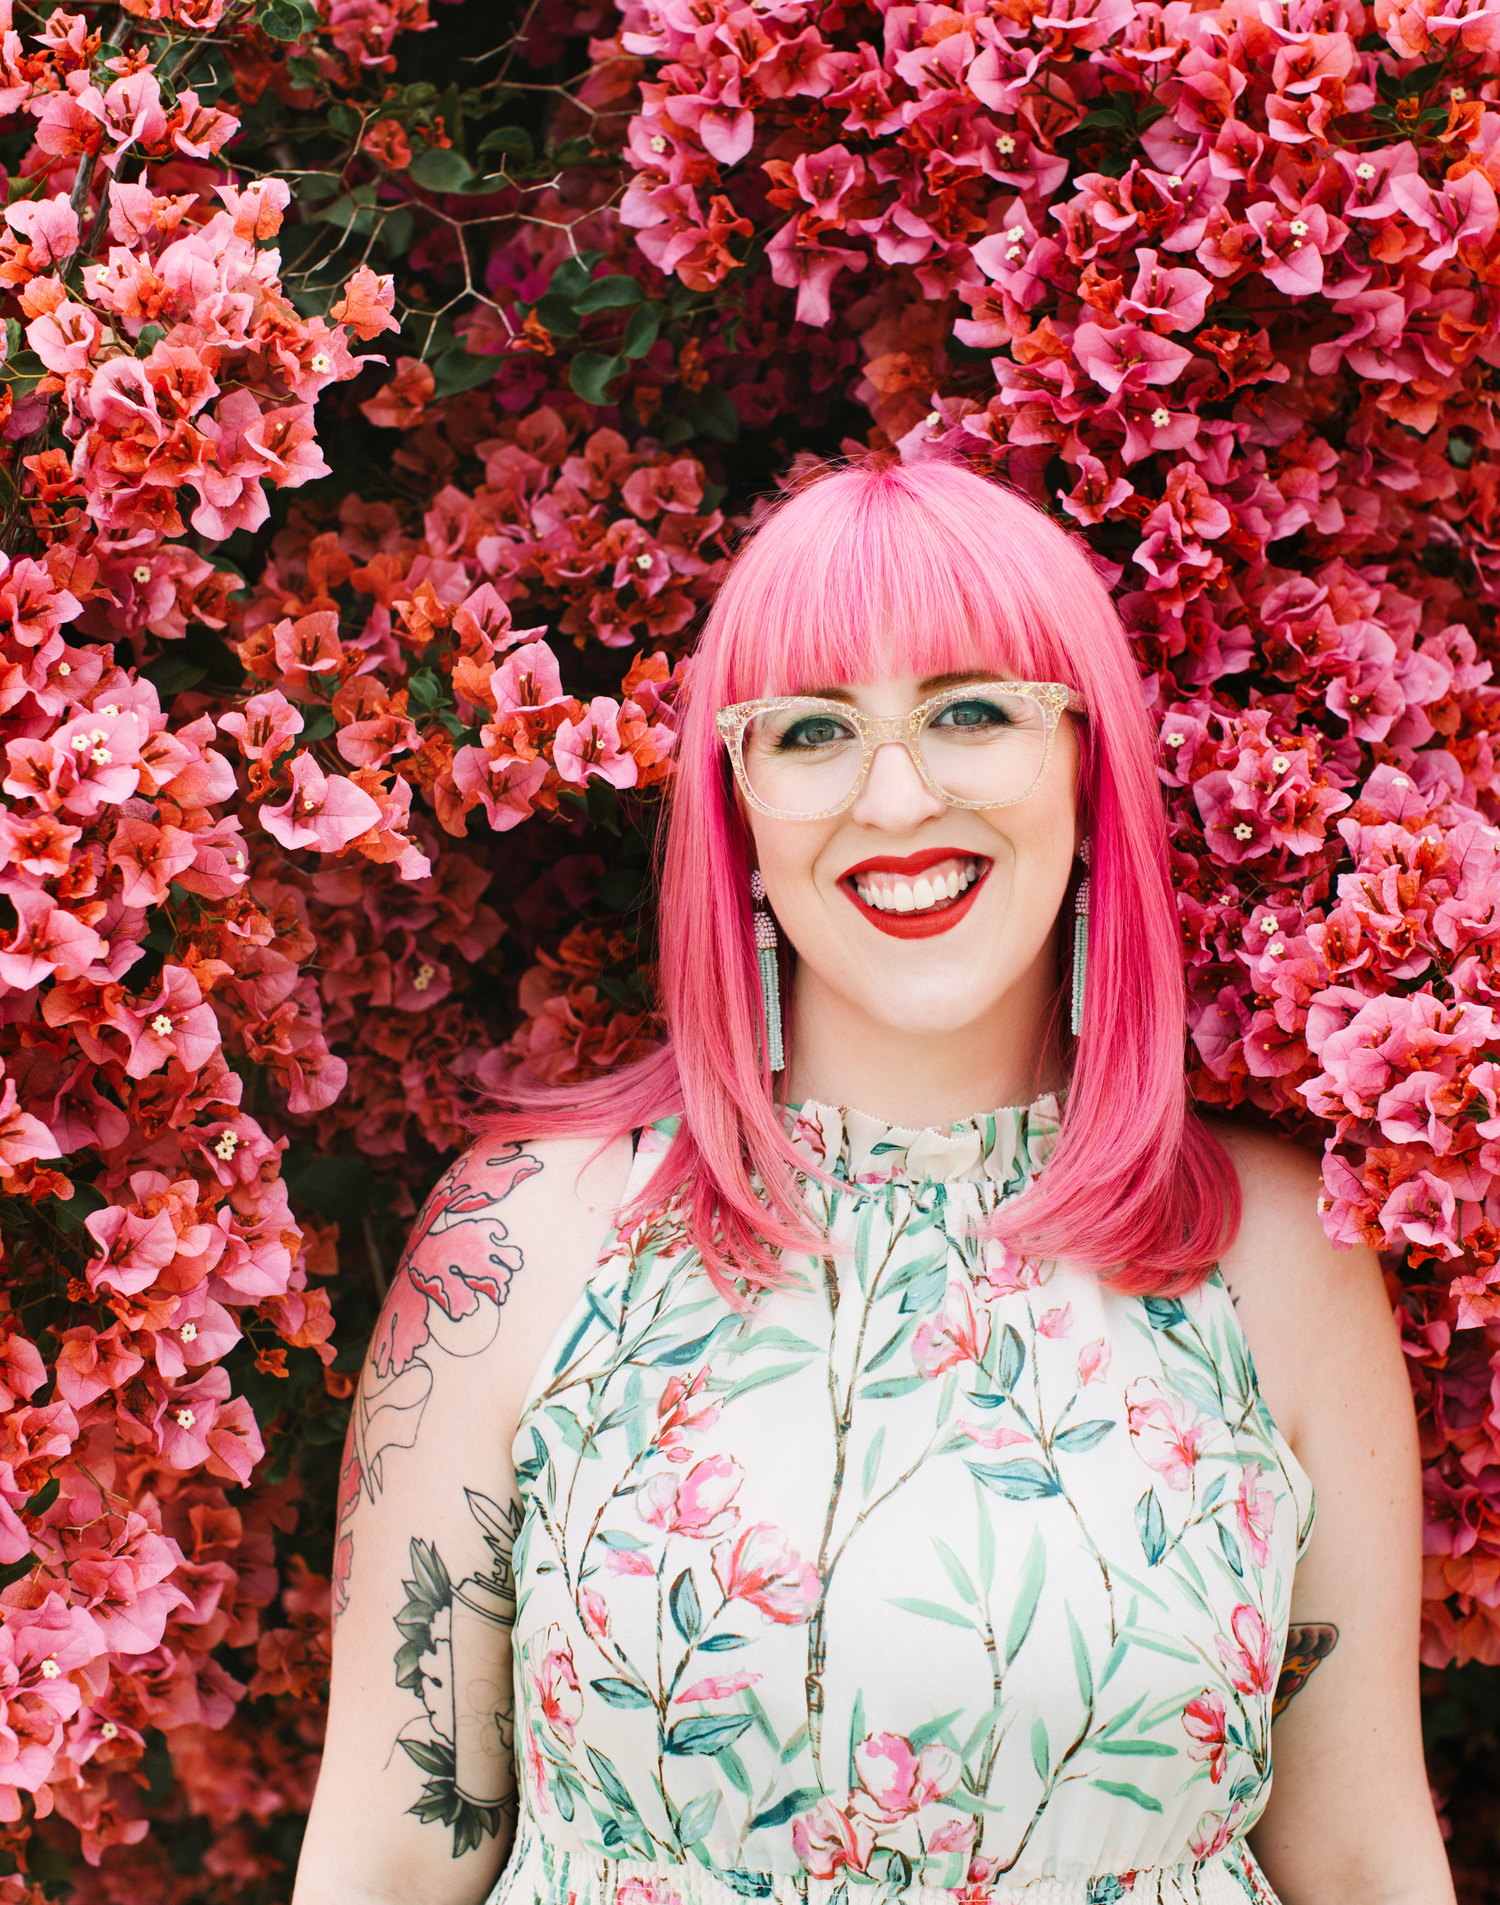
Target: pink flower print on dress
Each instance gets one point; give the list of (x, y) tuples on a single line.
[(555, 1686), (718, 1687), (629, 1561), (1093, 1362), (959, 1334), (764, 1569), (681, 1409), (1204, 1721), (900, 1781), (593, 1610), (1253, 1662), (828, 1838), (1166, 1434), (1255, 1511), (646, 1892), (1056, 1322), (698, 1505), (1213, 1832)]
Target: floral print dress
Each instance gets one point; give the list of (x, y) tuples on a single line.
[(941, 1575)]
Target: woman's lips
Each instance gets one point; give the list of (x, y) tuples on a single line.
[(915, 898)]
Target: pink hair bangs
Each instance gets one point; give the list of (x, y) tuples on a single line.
[(929, 570)]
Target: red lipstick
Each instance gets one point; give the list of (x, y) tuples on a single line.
[(925, 925)]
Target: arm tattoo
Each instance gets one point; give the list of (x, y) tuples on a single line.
[(1306, 1645), (447, 1658), (433, 1309)]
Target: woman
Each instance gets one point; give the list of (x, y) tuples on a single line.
[(857, 1484)]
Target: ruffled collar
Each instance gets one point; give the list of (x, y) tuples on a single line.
[(1003, 1149)]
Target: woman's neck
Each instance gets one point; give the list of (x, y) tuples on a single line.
[(837, 1054)]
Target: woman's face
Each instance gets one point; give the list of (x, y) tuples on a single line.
[(941, 967)]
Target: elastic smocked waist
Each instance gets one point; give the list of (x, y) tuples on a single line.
[(542, 1872)]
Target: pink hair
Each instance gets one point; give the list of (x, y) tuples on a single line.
[(929, 569)]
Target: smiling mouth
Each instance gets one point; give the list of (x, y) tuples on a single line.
[(913, 898)]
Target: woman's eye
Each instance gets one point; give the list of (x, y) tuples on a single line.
[(972, 716), (814, 731)]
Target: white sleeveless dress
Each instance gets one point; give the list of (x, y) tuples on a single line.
[(940, 1577)]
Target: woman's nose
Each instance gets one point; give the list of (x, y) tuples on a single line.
[(895, 799)]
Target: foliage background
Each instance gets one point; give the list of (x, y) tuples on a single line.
[(642, 262)]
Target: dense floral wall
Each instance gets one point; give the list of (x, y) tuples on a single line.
[(381, 389)]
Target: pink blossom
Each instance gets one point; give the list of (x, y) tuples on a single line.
[(1164, 1431), (763, 1569), (325, 811), (829, 1839), (1254, 1655), (718, 1687), (1255, 1512), (590, 747), (1093, 1362), (1205, 1723), (698, 1504), (901, 1781), (960, 1333), (556, 1691)]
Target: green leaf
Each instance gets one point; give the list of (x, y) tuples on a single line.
[(1033, 1574), (462, 370), (1082, 1435), (687, 1615), (620, 1693), (723, 1643), (44, 1497), (707, 1734), (1119, 1789), (733, 1768), (1164, 1313), (934, 1611), (890, 1387), (1151, 1526), (715, 417), (1231, 1549), (1041, 1748), (609, 1779), (1012, 1359), (790, 1804), (1080, 1659), (641, 331), (591, 373), (956, 1571), (285, 19), (511, 142), (573, 274), (1022, 1481), (440, 169), (614, 293), (557, 313), (1137, 1749), (696, 1818)]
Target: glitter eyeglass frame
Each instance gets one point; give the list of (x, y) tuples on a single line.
[(1054, 698)]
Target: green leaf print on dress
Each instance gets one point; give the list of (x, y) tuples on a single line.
[(936, 1568)]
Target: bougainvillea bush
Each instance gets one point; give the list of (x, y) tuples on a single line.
[(383, 387)]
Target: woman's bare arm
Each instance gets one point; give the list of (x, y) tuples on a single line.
[(416, 1799), (1350, 1819)]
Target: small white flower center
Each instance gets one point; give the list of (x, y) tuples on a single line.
[(161, 1025)]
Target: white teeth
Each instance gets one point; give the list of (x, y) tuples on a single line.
[(919, 895)]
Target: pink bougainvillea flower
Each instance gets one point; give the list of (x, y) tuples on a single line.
[(590, 748), (325, 811)]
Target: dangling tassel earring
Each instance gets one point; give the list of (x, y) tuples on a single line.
[(1080, 940), (770, 983)]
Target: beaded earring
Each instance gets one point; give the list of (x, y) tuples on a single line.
[(1080, 940), (770, 983)]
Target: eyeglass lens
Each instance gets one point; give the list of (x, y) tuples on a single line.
[(805, 758)]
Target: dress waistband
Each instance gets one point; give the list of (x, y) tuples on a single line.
[(540, 1872)]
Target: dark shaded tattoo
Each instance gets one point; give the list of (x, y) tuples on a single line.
[(431, 1309), (466, 1745), (1306, 1644)]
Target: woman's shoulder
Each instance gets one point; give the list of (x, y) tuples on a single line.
[(1304, 1303)]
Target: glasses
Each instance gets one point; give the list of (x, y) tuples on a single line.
[(986, 744)]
